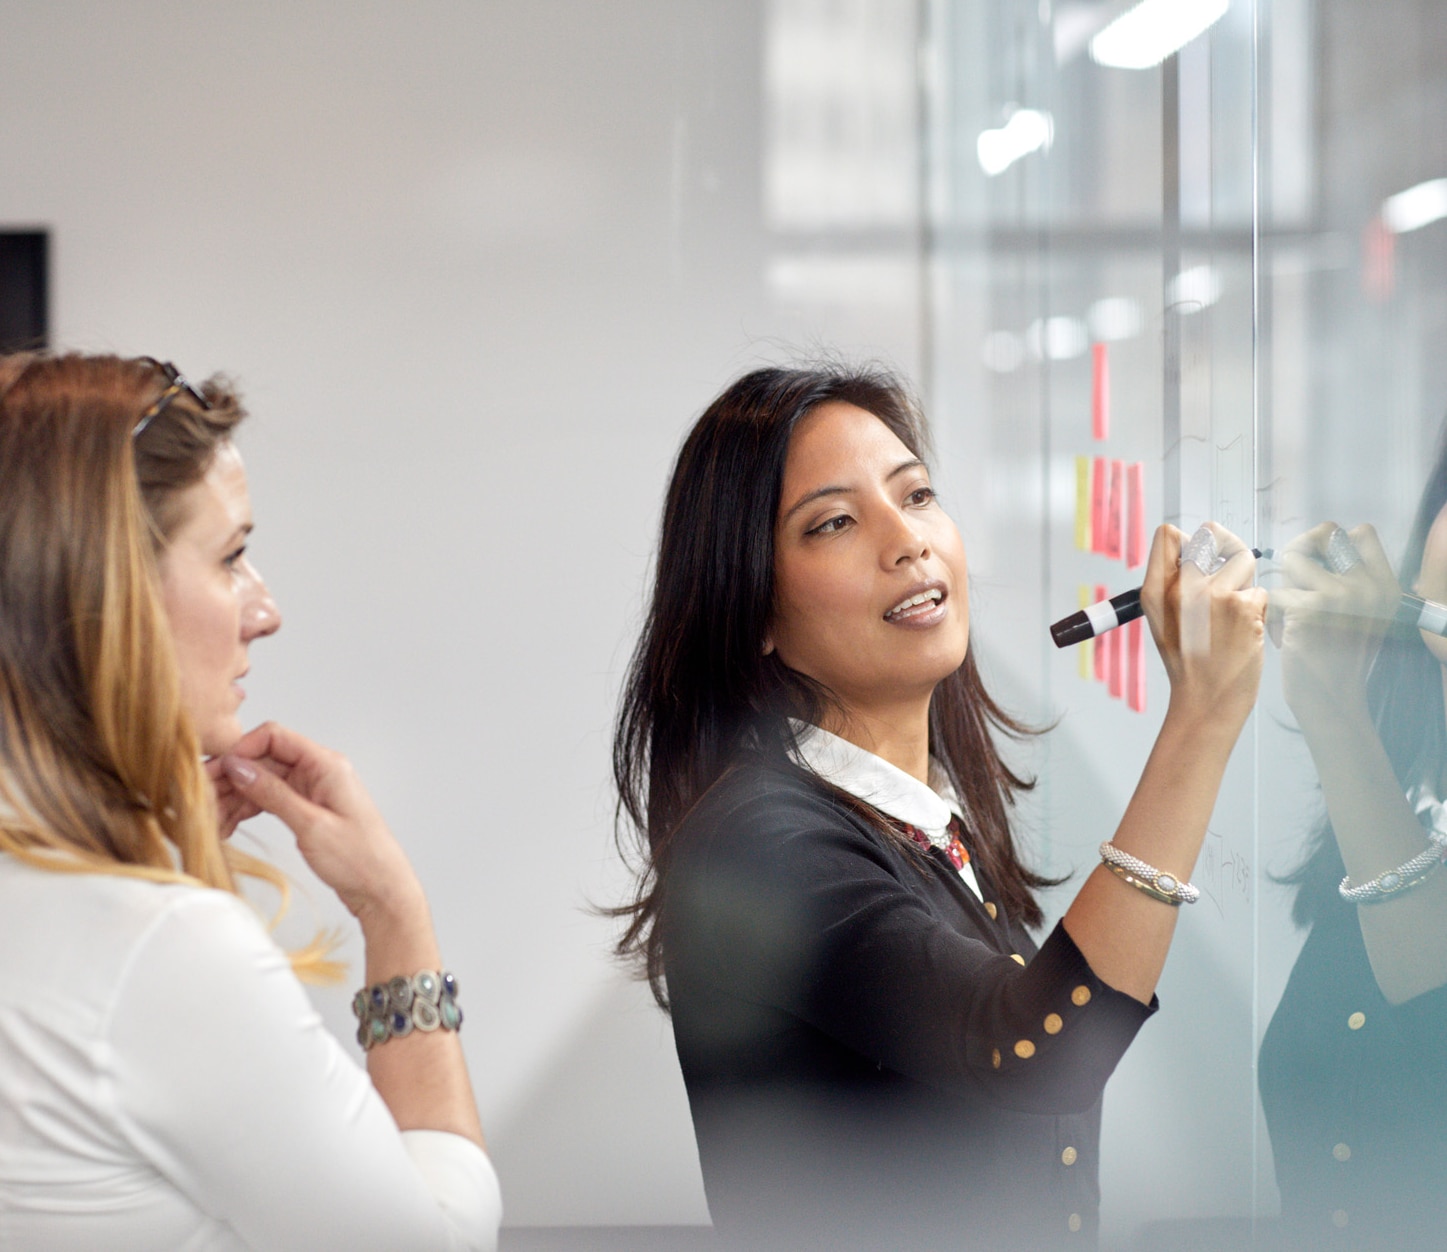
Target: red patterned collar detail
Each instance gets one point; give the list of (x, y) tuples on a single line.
[(954, 849)]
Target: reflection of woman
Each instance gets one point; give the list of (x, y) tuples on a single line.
[(1353, 1066), (165, 1082), (876, 1053)]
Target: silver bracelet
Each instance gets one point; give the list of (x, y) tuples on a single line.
[(393, 1009), (1410, 873), (1156, 883)]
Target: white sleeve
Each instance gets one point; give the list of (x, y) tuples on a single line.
[(224, 1078)]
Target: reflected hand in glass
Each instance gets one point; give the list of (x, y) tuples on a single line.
[(1329, 625)]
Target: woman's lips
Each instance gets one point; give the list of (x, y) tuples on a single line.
[(919, 610)]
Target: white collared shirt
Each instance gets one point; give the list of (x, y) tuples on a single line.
[(884, 786)]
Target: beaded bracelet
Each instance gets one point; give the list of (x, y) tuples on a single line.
[(1408, 874), (393, 1009), (1156, 883)]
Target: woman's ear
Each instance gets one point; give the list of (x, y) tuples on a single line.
[(768, 646)]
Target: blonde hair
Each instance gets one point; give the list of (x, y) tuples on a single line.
[(100, 765)]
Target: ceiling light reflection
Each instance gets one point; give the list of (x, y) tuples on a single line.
[(1059, 338), (1028, 130), (1416, 207), (1115, 317), (1147, 34), (1194, 289)]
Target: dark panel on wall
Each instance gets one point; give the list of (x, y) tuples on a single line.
[(24, 308)]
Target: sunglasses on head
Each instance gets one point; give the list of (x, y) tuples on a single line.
[(176, 385)]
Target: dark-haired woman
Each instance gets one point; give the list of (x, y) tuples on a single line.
[(876, 1052), (164, 1081), (1353, 1069)]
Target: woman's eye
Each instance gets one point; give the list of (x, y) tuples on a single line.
[(232, 558), (833, 526), (922, 495)]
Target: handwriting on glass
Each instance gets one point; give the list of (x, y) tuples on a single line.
[(1223, 873)]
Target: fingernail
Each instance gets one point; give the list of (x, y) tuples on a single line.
[(238, 770)]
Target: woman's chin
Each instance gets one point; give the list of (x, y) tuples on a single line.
[(219, 738)]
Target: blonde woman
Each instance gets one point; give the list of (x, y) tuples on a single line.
[(164, 1081)]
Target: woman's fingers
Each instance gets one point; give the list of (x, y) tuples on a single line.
[(320, 775), (1207, 617), (1330, 571), (280, 744), (232, 808), (1305, 571), (1313, 542), (1163, 571), (338, 829), (1375, 563), (268, 792)]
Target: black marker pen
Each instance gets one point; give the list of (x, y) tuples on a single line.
[(1106, 615), (1412, 611)]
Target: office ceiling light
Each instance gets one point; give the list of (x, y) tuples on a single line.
[(1416, 207), (1058, 338), (1194, 289), (1028, 130), (1147, 34), (1115, 317)]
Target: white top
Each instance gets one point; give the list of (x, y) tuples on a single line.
[(166, 1084), (886, 787)]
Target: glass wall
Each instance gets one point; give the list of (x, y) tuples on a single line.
[(1187, 261)]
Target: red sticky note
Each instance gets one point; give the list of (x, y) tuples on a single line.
[(1100, 391), (1117, 663), (1099, 485), (1135, 683), (1135, 514), (1379, 261), (1102, 648), (1114, 505)]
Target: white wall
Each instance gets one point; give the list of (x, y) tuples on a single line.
[(475, 266)]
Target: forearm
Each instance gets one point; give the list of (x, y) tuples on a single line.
[(1376, 831), (423, 1077), (1123, 932)]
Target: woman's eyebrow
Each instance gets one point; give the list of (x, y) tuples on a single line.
[(913, 463), (904, 466), (818, 494)]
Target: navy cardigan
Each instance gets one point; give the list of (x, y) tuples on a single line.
[(874, 1056)]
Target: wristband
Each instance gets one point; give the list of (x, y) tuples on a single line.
[(394, 1009)]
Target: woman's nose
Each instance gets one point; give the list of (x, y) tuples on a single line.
[(259, 615), (906, 543)]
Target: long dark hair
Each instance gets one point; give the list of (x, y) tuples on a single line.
[(1404, 697), (699, 687)]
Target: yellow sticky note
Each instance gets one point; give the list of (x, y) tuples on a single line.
[(1085, 652), (1082, 503)]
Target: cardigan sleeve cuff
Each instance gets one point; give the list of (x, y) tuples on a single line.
[(1056, 1035)]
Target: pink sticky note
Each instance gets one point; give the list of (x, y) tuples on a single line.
[(1135, 514), (1135, 646), (1099, 501), (1100, 391), (1114, 506), (1117, 663), (1102, 649)]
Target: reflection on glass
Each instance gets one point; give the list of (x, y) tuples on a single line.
[(1353, 1069), (1227, 272)]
